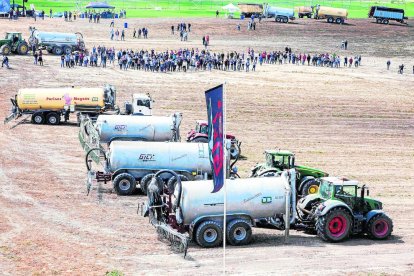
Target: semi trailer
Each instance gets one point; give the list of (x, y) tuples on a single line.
[(279, 14), (49, 105), (384, 15), (332, 15), (56, 43), (250, 9), (304, 11)]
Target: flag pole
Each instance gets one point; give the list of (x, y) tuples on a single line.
[(224, 175)]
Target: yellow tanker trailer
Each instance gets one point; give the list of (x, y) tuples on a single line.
[(48, 105), (332, 15)]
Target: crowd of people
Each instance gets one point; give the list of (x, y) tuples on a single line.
[(195, 59)]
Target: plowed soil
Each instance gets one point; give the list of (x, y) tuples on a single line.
[(355, 122)]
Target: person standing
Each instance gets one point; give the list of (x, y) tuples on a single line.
[(135, 33), (217, 13), (189, 27), (401, 71), (172, 29), (112, 34), (117, 34), (388, 64), (123, 34), (35, 55), (40, 59), (5, 62)]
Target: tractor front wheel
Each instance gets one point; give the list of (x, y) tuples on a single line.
[(379, 227), (5, 50), (335, 225)]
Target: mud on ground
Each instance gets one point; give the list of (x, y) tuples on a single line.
[(355, 122)]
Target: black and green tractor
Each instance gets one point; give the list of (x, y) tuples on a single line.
[(280, 160), (13, 43), (342, 208)]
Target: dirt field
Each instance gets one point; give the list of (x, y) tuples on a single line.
[(356, 122)]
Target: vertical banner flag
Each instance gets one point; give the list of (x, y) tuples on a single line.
[(215, 114)]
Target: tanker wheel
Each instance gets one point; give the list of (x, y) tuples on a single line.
[(330, 20), (145, 181), (334, 226), (379, 20), (38, 118), (285, 20), (124, 184), (338, 21), (67, 50), (239, 232), (300, 16), (22, 48), (385, 21), (57, 51), (200, 140), (172, 182), (209, 234), (53, 118), (379, 227), (309, 15), (310, 187), (277, 19), (5, 50)]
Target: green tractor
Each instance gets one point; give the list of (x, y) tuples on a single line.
[(13, 43), (342, 208), (280, 160)]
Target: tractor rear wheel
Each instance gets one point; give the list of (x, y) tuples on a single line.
[(172, 182), (5, 50), (209, 234), (124, 184), (310, 187), (239, 232), (379, 227), (145, 181), (335, 225), (200, 140), (22, 48)]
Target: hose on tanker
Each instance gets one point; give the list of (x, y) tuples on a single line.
[(87, 162)]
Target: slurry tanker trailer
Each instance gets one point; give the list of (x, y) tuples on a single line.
[(280, 14), (130, 163), (56, 43), (332, 15), (192, 211), (109, 128), (48, 105)]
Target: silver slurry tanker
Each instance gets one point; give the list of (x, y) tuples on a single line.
[(56, 43), (194, 210), (145, 128), (129, 163)]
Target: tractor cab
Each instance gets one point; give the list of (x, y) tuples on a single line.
[(280, 159), (201, 127), (14, 37), (349, 192)]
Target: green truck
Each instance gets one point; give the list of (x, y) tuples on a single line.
[(342, 208), (280, 160), (13, 43)]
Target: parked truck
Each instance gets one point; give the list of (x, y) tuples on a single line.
[(250, 9), (304, 11), (332, 15), (56, 43), (383, 15), (13, 43), (340, 209), (49, 105), (279, 14), (141, 105)]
